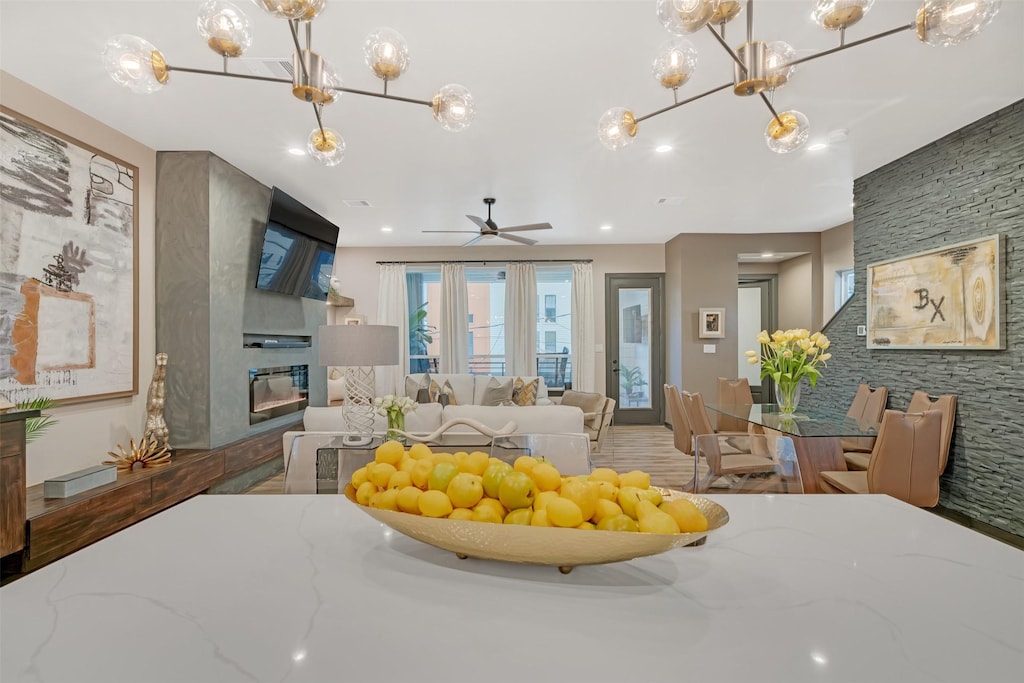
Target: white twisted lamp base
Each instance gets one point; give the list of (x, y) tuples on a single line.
[(359, 388)]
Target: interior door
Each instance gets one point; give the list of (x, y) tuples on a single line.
[(634, 305), (757, 309)]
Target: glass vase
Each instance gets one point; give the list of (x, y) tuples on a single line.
[(787, 396), (396, 420)]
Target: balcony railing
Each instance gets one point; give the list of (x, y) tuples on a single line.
[(555, 368)]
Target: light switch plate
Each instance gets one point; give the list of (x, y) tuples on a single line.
[(709, 348), (862, 330)]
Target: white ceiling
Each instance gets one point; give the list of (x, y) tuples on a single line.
[(542, 73)]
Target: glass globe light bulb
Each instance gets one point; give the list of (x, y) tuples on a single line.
[(949, 22), (326, 146), (453, 107), (836, 14), (788, 132), (675, 63), (682, 17), (224, 28), (779, 54), (726, 12), (303, 10), (386, 53), (617, 128), (134, 63)]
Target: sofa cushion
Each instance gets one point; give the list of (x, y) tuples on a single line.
[(425, 419), (336, 390), (551, 419), (496, 391), (524, 391)]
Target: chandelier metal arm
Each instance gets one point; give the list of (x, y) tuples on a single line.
[(847, 46), (687, 101), (293, 26), (207, 72), (725, 46), (750, 21), (383, 96), (768, 104)]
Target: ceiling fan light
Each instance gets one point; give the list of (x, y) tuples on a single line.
[(224, 28), (788, 132), (134, 63), (617, 128), (386, 53), (683, 17), (780, 54), (948, 22), (453, 107), (326, 146), (675, 63), (303, 10), (836, 14)]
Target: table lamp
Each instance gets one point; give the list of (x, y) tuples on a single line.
[(358, 348)]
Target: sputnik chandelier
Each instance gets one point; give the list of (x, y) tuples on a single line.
[(137, 65), (759, 68)]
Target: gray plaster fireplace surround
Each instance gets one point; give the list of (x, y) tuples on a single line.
[(211, 320)]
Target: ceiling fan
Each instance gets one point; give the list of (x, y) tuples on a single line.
[(490, 230)]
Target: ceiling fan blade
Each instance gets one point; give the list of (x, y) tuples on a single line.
[(479, 221), (531, 226), (474, 232), (473, 241), (516, 238)]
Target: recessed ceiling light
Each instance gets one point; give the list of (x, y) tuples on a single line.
[(295, 151), (661, 149), (768, 255), (386, 228), (817, 147), (606, 227)]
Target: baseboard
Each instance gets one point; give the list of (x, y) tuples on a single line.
[(979, 526)]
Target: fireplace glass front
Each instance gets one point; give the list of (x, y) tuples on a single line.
[(277, 391)]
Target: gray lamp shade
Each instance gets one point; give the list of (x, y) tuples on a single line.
[(359, 345)]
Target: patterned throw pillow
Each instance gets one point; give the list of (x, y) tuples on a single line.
[(446, 390), (412, 387), (525, 393)]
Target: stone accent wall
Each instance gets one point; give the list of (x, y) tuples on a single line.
[(967, 185)]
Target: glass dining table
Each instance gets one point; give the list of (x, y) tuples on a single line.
[(817, 434)]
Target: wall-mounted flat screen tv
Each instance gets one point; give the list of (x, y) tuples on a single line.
[(298, 249)]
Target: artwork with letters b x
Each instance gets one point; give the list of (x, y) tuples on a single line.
[(68, 267), (945, 298)]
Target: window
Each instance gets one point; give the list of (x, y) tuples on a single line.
[(486, 290), (844, 286)]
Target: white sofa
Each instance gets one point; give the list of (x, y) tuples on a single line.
[(470, 389), (428, 417)]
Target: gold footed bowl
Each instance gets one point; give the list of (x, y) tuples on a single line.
[(562, 548)]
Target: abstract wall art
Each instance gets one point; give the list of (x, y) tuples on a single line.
[(68, 267), (944, 298)]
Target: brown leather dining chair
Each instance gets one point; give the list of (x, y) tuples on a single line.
[(919, 403), (867, 408), (733, 392), (682, 435), (904, 463)]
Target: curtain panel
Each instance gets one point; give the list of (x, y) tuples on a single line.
[(393, 309), (583, 356), (521, 319), (454, 329)]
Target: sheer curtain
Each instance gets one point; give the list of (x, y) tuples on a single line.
[(521, 319), (393, 309), (583, 357), (454, 330)]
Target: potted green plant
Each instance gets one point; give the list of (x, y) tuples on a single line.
[(37, 426), (631, 379), (420, 335)]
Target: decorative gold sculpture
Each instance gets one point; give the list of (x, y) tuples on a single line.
[(156, 426), (149, 453)]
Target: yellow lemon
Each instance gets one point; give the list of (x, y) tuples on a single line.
[(493, 475), (494, 504), (608, 490), (444, 457), (381, 474), (365, 492), (629, 496), (545, 476), (584, 493), (605, 474), (359, 476), (486, 514), (409, 500), (477, 462), (520, 516), (388, 499), (658, 522), (435, 504), (465, 490), (636, 478), (540, 518), (441, 476), (541, 501), (652, 495), (375, 500), (460, 460), (418, 451), (564, 513), (617, 523), (461, 513), (390, 452), (524, 463), (399, 480), (686, 514), (516, 491), (586, 526), (421, 473), (606, 508), (407, 464)]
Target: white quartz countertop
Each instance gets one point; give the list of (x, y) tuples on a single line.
[(308, 588)]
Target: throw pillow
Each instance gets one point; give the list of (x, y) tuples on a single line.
[(497, 391), (336, 373), (412, 387), (588, 403), (525, 393), (335, 390), (447, 391)]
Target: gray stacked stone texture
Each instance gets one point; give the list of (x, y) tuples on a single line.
[(967, 185)]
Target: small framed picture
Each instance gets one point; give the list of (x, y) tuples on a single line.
[(712, 323), (355, 320)]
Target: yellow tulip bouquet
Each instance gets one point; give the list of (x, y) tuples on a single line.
[(787, 357)]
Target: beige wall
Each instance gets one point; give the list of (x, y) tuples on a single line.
[(796, 294), (702, 271), (85, 432), (836, 254), (357, 272)]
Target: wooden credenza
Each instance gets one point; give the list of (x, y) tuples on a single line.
[(12, 480)]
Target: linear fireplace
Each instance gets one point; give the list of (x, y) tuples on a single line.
[(277, 391)]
